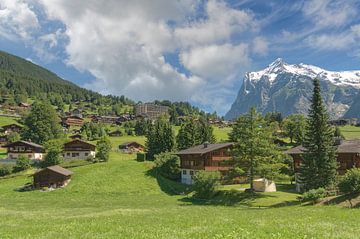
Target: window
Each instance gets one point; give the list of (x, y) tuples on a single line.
[(67, 154), (184, 172), (191, 172), (86, 154)]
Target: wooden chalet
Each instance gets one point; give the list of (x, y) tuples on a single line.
[(24, 105), (24, 148), (106, 119), (208, 157), (3, 139), (52, 177), (130, 147), (10, 128), (72, 121), (76, 136), (78, 149), (348, 156), (116, 133)]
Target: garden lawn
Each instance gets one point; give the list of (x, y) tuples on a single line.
[(121, 199), (350, 132)]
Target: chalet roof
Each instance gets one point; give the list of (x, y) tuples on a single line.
[(346, 146), (57, 169), (79, 141), (129, 143), (72, 117), (11, 125), (24, 142), (201, 149)]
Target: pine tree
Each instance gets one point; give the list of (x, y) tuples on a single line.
[(160, 138), (319, 164), (254, 151)]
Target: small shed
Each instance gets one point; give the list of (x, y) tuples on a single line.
[(115, 133), (131, 147), (264, 185), (53, 176)]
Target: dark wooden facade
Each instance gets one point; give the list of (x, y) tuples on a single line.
[(348, 155), (72, 121), (7, 129), (54, 176), (209, 160), (24, 147), (131, 146)]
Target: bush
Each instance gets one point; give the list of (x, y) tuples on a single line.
[(168, 165), (140, 157), (350, 183), (22, 163), (104, 147), (314, 195), (206, 184), (5, 170)]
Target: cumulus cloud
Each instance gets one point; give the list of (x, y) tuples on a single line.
[(17, 19), (124, 44)]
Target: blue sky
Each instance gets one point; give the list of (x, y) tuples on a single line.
[(188, 50)]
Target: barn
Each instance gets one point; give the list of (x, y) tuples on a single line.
[(53, 176)]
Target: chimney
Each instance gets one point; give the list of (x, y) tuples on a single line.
[(206, 144)]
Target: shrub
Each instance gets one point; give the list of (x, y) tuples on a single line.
[(206, 184), (5, 170), (104, 147), (22, 163), (168, 165), (314, 195), (140, 157), (350, 183)]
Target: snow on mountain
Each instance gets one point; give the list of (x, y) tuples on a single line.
[(287, 88), (351, 78)]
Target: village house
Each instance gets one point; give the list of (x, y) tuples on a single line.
[(76, 136), (106, 119), (23, 148), (72, 121), (3, 139), (348, 156), (52, 177), (24, 105), (208, 157), (115, 133), (131, 147), (78, 149), (77, 113), (10, 128)]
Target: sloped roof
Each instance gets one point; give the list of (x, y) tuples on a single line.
[(57, 169), (201, 149), (80, 141), (129, 143), (346, 146), (24, 142)]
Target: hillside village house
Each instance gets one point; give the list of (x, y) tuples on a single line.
[(76, 136), (24, 105), (106, 119), (115, 133), (10, 128), (78, 149), (54, 176), (23, 148), (208, 157), (130, 147), (72, 121), (348, 156)]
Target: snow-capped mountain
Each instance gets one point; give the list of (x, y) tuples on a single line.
[(287, 89)]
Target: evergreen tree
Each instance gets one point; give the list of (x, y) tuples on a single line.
[(42, 124), (294, 127), (254, 151), (319, 164), (160, 138)]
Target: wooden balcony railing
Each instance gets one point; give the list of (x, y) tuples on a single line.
[(217, 168), (221, 158)]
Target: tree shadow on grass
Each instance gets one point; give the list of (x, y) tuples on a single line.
[(168, 186), (346, 200), (227, 198)]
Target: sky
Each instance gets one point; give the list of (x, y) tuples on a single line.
[(179, 50)]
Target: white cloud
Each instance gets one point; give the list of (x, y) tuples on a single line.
[(124, 43), (260, 46), (216, 62), (17, 19)]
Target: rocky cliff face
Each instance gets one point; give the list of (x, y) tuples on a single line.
[(288, 88)]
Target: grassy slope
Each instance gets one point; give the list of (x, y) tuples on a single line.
[(120, 200), (350, 132)]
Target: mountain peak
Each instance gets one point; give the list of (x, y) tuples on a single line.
[(277, 65)]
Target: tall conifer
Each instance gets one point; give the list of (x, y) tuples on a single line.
[(319, 164)]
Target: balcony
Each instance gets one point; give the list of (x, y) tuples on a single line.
[(221, 158)]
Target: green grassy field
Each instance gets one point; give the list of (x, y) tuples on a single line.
[(7, 120), (121, 199), (350, 132)]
